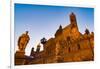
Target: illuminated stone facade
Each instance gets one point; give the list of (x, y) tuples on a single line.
[(68, 45)]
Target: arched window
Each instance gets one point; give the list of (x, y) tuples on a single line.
[(78, 46), (68, 38)]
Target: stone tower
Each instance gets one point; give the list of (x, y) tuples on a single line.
[(73, 20)]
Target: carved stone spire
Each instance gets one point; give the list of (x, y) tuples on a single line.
[(38, 48)]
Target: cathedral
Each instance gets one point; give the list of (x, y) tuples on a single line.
[(68, 45)]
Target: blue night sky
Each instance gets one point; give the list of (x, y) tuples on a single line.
[(43, 21)]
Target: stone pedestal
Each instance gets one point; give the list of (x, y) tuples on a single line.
[(19, 58), (19, 53)]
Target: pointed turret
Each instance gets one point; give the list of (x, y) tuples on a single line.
[(87, 31), (59, 31), (32, 52), (38, 48)]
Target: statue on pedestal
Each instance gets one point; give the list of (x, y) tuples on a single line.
[(20, 57), (23, 41)]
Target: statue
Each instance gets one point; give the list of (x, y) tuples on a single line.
[(43, 40), (23, 41)]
